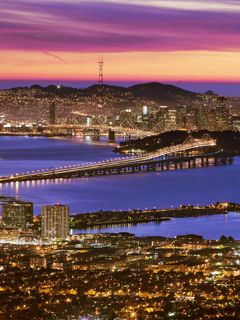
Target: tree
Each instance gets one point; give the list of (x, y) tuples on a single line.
[(230, 239), (223, 238)]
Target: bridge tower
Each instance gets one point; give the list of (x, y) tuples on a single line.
[(100, 75), (111, 135)]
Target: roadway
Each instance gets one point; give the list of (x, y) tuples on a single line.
[(106, 164), (117, 129)]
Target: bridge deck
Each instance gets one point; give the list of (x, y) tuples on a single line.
[(109, 164)]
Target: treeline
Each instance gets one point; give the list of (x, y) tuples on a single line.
[(229, 141)]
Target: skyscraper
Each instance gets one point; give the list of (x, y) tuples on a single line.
[(223, 119), (17, 215), (55, 221), (52, 111), (171, 119), (145, 110)]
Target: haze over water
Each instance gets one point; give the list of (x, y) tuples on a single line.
[(159, 189)]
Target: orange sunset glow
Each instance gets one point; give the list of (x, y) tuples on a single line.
[(188, 66), (167, 41)]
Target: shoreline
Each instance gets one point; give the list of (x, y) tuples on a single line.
[(58, 137), (94, 220)]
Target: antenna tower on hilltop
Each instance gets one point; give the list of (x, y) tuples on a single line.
[(100, 76)]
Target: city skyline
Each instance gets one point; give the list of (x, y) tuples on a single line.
[(120, 159), (168, 41)]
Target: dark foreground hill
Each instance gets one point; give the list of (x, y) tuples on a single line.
[(229, 141)]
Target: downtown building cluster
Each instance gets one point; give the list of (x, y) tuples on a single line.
[(217, 116), (31, 109)]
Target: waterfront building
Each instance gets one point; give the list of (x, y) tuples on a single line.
[(55, 221), (17, 214)]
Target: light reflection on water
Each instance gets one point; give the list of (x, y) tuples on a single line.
[(155, 189), (16, 186)]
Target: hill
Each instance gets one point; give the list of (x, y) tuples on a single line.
[(31, 104), (160, 92), (154, 91)]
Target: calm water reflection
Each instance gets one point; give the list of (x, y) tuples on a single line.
[(211, 227), (160, 189)]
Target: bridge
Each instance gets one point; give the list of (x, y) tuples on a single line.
[(125, 128), (96, 129), (189, 152)]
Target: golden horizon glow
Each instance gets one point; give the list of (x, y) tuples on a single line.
[(172, 40), (130, 66)]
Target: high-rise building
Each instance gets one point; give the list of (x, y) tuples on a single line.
[(55, 221), (17, 214), (191, 118), (89, 121), (145, 110), (191, 121), (171, 119), (161, 116), (236, 123), (181, 117), (223, 119), (52, 112), (211, 120), (202, 117)]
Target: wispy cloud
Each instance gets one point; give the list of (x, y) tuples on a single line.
[(119, 25), (194, 5), (216, 5)]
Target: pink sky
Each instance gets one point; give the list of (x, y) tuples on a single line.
[(154, 40)]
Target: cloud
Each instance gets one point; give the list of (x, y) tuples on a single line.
[(204, 5), (119, 25), (193, 5)]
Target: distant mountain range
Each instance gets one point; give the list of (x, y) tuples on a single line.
[(154, 91)]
